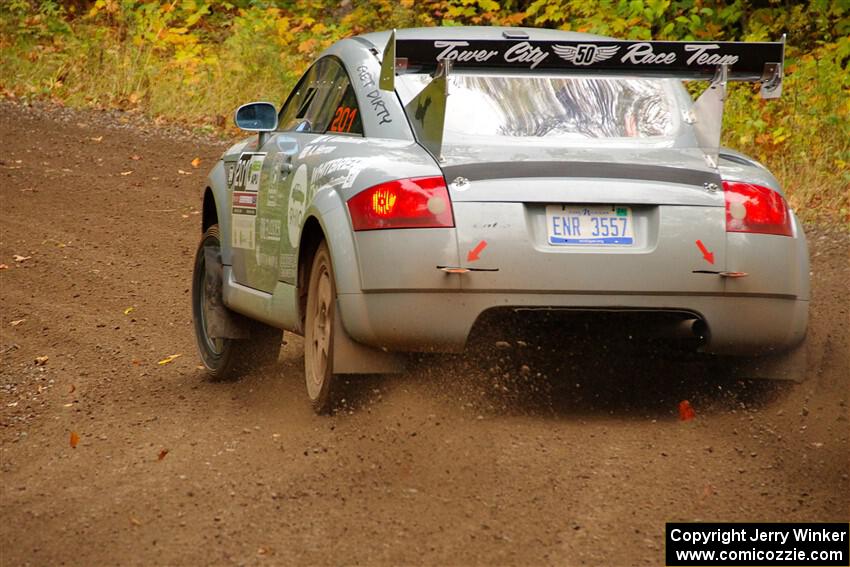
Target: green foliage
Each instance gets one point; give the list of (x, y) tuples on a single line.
[(196, 60)]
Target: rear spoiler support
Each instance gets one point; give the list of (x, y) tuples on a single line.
[(707, 116), (427, 110), (719, 62)]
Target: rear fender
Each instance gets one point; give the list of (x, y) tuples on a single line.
[(349, 356), (328, 208)]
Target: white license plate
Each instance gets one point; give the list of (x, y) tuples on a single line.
[(590, 225)]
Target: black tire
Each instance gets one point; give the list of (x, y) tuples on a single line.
[(322, 383), (227, 358)]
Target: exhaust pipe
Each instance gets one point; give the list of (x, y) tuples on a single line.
[(685, 329)]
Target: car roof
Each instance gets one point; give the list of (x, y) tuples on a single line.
[(379, 39)]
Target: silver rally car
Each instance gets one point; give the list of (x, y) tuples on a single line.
[(415, 180)]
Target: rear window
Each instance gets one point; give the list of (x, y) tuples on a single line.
[(552, 108)]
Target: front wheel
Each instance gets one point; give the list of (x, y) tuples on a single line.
[(225, 357), (319, 333)]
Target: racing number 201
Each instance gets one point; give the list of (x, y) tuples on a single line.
[(343, 119)]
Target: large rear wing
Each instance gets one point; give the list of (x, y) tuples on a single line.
[(717, 62)]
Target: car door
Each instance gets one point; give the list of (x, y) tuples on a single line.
[(323, 101), (332, 113)]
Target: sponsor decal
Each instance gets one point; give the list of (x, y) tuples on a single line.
[(246, 173), (242, 231), (644, 54), (315, 149), (451, 51), (245, 183), (288, 266), (270, 229), (745, 58), (526, 53), (700, 57), (244, 203), (297, 204), (266, 260), (339, 172), (585, 54), (254, 172)]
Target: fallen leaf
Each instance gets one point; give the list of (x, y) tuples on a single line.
[(181, 172), (686, 412), (72, 389), (196, 162), (19, 258), (11, 404), (41, 360), (98, 139), (4, 267), (17, 322), (74, 439), (126, 172), (185, 216), (135, 157), (162, 454), (137, 362), (128, 310), (170, 358), (262, 551), (68, 405), (135, 521)]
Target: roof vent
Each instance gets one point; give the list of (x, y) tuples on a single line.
[(514, 34)]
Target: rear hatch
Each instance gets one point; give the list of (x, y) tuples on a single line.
[(613, 222)]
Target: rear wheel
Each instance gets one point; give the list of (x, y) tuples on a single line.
[(223, 357), (319, 333)]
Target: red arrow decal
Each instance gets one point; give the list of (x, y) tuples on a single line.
[(708, 256), (475, 253)]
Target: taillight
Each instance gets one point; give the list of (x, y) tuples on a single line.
[(753, 208), (421, 202)]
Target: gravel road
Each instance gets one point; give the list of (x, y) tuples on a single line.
[(508, 455)]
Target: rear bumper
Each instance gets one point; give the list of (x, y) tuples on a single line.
[(442, 321)]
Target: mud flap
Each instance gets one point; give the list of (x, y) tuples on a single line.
[(222, 323), (351, 357), (789, 365)]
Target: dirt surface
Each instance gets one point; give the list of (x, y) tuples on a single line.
[(511, 455)]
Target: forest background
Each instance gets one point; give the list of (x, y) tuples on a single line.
[(195, 61)]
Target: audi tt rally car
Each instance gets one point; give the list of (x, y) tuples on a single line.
[(416, 180)]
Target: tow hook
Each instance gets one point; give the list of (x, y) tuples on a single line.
[(462, 270), (723, 274)]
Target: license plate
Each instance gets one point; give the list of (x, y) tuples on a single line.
[(589, 225)]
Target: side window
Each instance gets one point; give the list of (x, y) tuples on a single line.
[(298, 110), (340, 112), (323, 101)]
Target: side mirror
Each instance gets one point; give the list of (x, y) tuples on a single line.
[(256, 117)]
